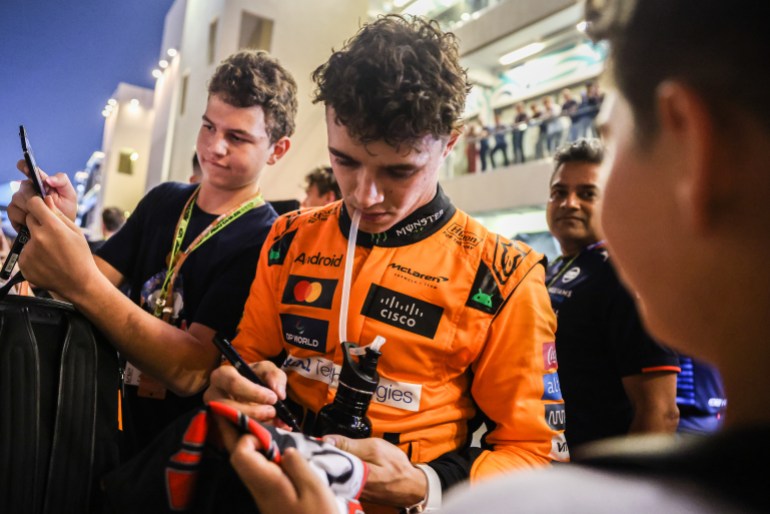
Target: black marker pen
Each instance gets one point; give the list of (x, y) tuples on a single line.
[(283, 412)]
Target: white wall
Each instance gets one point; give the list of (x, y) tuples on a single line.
[(504, 19), (513, 187), (304, 32), (128, 126)]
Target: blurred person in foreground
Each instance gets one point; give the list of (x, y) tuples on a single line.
[(188, 252), (614, 377), (464, 312), (686, 219), (320, 188)]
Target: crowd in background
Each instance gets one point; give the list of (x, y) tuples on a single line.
[(532, 131), (491, 321)]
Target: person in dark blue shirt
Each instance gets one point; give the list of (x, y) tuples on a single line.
[(615, 379)]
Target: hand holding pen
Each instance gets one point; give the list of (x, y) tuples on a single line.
[(282, 411)]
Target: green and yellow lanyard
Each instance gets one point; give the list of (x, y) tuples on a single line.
[(179, 256)]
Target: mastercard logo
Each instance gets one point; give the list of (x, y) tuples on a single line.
[(307, 291), (310, 291)]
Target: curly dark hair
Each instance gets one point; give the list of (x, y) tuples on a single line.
[(253, 77), (397, 80)]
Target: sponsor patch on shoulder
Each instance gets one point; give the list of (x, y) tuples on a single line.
[(462, 237), (508, 254), (555, 416), (549, 356), (485, 294), (559, 449), (279, 249), (551, 387)]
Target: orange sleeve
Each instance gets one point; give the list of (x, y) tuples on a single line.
[(510, 378), (259, 332)]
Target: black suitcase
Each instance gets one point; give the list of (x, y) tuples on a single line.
[(59, 387)]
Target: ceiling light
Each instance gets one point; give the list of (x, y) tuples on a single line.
[(163, 63), (105, 113), (134, 156), (171, 52), (157, 73), (134, 102), (112, 101), (581, 26), (521, 53)]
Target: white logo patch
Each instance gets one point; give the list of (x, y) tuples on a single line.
[(559, 450), (571, 275), (401, 395)]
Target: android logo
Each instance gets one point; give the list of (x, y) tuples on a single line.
[(274, 255), (483, 298)]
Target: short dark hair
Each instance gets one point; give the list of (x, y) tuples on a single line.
[(710, 45), (588, 150), (323, 179), (397, 80), (253, 77), (113, 218)]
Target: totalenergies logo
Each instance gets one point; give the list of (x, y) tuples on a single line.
[(307, 292)]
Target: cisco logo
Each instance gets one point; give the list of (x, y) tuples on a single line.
[(402, 311), (403, 314)]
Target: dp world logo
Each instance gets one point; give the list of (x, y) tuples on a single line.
[(304, 332), (316, 292)]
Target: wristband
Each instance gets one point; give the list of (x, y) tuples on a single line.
[(432, 500)]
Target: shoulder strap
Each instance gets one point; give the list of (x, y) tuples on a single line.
[(16, 279)]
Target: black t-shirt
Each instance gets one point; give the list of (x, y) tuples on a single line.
[(212, 287), (599, 340)]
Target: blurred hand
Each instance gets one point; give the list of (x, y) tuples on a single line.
[(392, 480), (228, 386), (58, 188), (291, 488)]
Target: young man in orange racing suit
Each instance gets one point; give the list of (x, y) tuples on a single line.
[(466, 317)]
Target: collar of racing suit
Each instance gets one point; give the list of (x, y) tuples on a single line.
[(422, 223)]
